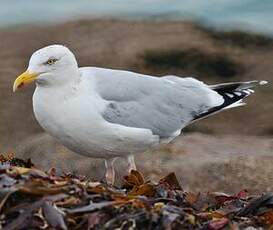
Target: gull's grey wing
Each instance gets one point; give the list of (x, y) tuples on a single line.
[(164, 105)]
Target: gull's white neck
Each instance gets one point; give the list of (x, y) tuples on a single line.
[(74, 103)]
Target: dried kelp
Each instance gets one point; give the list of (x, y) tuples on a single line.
[(33, 199)]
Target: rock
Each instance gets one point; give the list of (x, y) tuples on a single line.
[(96, 42), (201, 162)]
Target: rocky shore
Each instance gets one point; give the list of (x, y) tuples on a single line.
[(231, 149)]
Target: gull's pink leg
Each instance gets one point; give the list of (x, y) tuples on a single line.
[(110, 171), (131, 163)]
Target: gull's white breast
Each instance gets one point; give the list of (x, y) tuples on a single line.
[(72, 114)]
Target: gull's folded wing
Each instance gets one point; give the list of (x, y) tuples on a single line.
[(163, 105)]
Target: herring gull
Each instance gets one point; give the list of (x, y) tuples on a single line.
[(107, 113)]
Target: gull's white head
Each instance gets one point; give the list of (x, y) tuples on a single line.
[(51, 65)]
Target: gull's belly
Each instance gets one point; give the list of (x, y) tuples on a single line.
[(84, 131)]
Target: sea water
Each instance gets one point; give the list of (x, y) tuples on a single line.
[(254, 15)]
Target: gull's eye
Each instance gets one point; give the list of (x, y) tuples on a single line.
[(51, 61)]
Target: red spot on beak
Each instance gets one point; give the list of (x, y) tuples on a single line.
[(21, 85)]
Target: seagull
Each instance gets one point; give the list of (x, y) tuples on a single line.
[(108, 113)]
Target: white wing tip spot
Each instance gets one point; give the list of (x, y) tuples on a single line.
[(238, 93), (263, 82), (248, 92), (230, 95)]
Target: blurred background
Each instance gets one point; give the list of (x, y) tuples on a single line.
[(214, 41)]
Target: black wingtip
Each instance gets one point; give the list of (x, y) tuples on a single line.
[(233, 95)]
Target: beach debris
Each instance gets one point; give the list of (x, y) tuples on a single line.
[(33, 199)]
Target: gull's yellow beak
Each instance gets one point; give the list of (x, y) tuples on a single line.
[(24, 79)]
